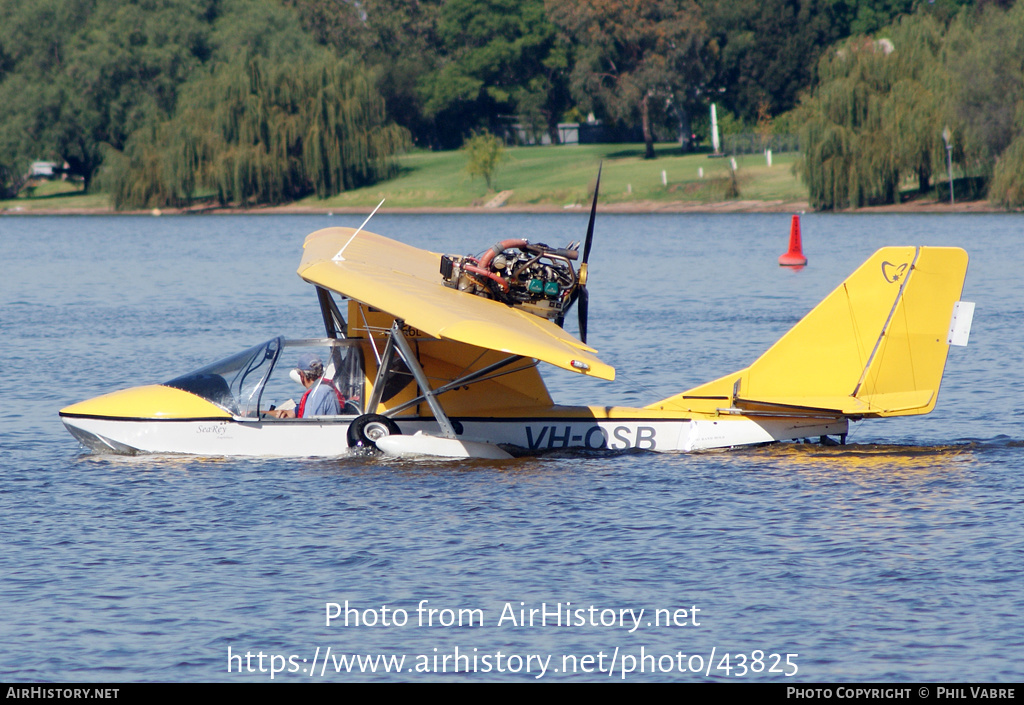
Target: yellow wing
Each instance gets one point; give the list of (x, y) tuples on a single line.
[(405, 282)]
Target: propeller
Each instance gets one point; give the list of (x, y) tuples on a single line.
[(583, 304), (584, 297)]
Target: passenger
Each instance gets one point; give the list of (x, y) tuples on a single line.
[(322, 398)]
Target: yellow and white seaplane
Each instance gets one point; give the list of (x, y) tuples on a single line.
[(438, 355)]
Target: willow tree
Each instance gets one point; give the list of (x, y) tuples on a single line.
[(986, 59), (261, 133), (1007, 187), (917, 108), (160, 166), (876, 115)]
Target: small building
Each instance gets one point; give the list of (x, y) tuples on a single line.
[(568, 133), (42, 170)]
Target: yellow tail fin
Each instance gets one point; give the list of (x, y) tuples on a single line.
[(876, 346)]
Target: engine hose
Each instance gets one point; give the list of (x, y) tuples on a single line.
[(486, 273), (485, 258)]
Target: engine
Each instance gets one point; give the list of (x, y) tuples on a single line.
[(530, 276)]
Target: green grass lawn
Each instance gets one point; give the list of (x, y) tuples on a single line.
[(564, 175), (56, 194), (552, 176)]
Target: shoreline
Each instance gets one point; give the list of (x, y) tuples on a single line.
[(635, 207)]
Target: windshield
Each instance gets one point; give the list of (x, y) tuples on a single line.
[(252, 382), (233, 383)]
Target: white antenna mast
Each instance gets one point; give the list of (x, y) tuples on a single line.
[(338, 257)]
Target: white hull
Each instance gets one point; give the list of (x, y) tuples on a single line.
[(328, 437)]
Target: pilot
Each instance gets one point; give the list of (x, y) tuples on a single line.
[(322, 398)]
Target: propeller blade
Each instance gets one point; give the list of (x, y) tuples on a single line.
[(583, 304), (579, 294), (593, 215)]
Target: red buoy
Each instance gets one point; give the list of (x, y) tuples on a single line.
[(795, 256)]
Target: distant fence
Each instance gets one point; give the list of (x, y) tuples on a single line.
[(752, 143), (568, 133), (597, 132)]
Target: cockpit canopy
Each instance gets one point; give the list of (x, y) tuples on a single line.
[(252, 382)]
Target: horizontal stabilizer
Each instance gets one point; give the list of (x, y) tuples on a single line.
[(869, 404)]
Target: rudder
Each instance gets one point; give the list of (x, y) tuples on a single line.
[(875, 346)]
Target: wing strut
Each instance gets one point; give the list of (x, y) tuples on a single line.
[(334, 322), (383, 370), (397, 340), (447, 445)]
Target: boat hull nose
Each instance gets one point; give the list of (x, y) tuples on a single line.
[(96, 442), (154, 401), (110, 423)]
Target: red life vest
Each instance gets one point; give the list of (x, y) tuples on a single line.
[(323, 380)]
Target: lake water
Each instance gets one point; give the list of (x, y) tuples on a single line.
[(895, 558)]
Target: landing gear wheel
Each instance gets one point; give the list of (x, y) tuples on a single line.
[(366, 430)]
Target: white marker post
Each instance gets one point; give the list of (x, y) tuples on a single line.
[(715, 144)]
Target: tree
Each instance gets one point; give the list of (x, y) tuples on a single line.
[(79, 77), (917, 110), (872, 15), (262, 132), (1007, 189), (484, 152), (398, 38), (497, 57), (987, 62), (767, 49), (35, 39), (986, 59), (87, 74), (877, 115), (633, 57), (16, 151)]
